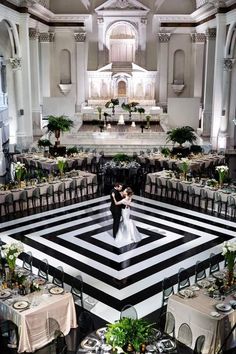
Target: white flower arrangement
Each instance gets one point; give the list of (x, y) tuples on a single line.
[(223, 172), (228, 247), (20, 169), (11, 252), (222, 168), (61, 161), (185, 164)]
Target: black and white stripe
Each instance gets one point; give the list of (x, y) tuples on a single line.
[(79, 238)]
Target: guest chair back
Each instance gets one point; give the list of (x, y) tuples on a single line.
[(129, 311), (58, 276), (170, 324), (199, 344), (27, 261), (77, 288), (167, 290), (200, 271), (185, 335), (183, 279), (43, 269), (213, 264)]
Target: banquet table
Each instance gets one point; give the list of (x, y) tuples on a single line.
[(32, 322), (196, 312), (168, 175), (79, 177)]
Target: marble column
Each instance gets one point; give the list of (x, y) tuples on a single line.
[(143, 41), (45, 38), (218, 78), (164, 60), (198, 43), (11, 67), (25, 126), (2, 157), (81, 68), (224, 134), (102, 54), (208, 82), (35, 81)]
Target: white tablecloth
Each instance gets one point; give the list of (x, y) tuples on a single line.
[(32, 323)]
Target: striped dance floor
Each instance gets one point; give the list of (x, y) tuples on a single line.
[(79, 238)]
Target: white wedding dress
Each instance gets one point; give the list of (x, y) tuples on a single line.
[(128, 232)]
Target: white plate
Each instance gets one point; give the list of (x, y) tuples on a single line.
[(22, 271), (89, 343), (39, 281), (56, 290), (204, 283), (219, 275), (194, 288), (101, 331), (223, 307), (166, 344), (215, 314), (186, 293), (21, 305), (4, 294)]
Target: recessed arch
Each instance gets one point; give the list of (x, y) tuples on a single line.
[(65, 66), (230, 41)]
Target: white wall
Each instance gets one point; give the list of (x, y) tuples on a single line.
[(183, 111), (57, 106)]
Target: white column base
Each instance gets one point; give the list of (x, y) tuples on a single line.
[(2, 164), (36, 116), (24, 141)]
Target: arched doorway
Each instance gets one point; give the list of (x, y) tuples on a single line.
[(122, 42), (122, 88)]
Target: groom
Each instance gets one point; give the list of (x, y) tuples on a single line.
[(116, 209)]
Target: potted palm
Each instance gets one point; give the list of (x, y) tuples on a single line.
[(111, 104), (130, 107), (128, 332), (45, 144), (58, 124), (181, 135)]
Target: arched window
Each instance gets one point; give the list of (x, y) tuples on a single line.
[(179, 62), (65, 67)]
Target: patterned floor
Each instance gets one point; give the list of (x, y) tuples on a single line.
[(79, 238)]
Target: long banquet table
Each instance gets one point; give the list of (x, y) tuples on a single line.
[(32, 322), (196, 312)]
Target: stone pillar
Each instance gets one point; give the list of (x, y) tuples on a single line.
[(208, 82), (35, 81), (102, 58), (198, 40), (25, 126), (80, 38), (223, 140), (164, 60), (142, 42), (218, 78), (45, 44), (2, 157)]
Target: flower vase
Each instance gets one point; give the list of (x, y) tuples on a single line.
[(230, 277), (128, 348), (221, 181)]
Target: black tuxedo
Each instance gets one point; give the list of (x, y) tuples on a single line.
[(115, 210)]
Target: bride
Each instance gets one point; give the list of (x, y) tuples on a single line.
[(127, 232)]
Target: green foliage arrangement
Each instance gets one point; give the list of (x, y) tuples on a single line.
[(165, 151), (128, 330), (44, 143), (130, 107), (72, 150), (140, 110), (181, 135), (121, 157)]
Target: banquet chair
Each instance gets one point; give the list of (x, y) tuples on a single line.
[(217, 202), (58, 276), (213, 264), (231, 206), (43, 269), (185, 335), (9, 328), (169, 324), (83, 188), (200, 271), (165, 165), (199, 344), (129, 311), (191, 196), (203, 198), (167, 291), (23, 201), (60, 342), (77, 288), (9, 205), (27, 259), (60, 192), (52, 326), (183, 279), (35, 197), (160, 186), (92, 186), (170, 189), (180, 193), (150, 185), (73, 191)]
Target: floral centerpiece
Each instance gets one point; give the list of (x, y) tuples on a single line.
[(11, 252), (222, 172), (61, 163), (229, 252), (185, 166), (128, 331), (20, 171)]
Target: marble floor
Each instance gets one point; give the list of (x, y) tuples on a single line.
[(78, 237)]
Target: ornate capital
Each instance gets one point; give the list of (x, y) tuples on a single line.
[(15, 63), (144, 20), (80, 36), (33, 34), (210, 33), (228, 64), (164, 37), (198, 37), (46, 37), (100, 20)]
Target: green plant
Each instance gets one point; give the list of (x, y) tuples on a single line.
[(140, 110), (58, 124), (165, 151), (44, 143), (111, 104), (72, 150), (148, 118), (180, 135), (129, 107), (128, 330), (121, 157)]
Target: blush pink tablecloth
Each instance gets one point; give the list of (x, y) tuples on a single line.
[(32, 323)]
